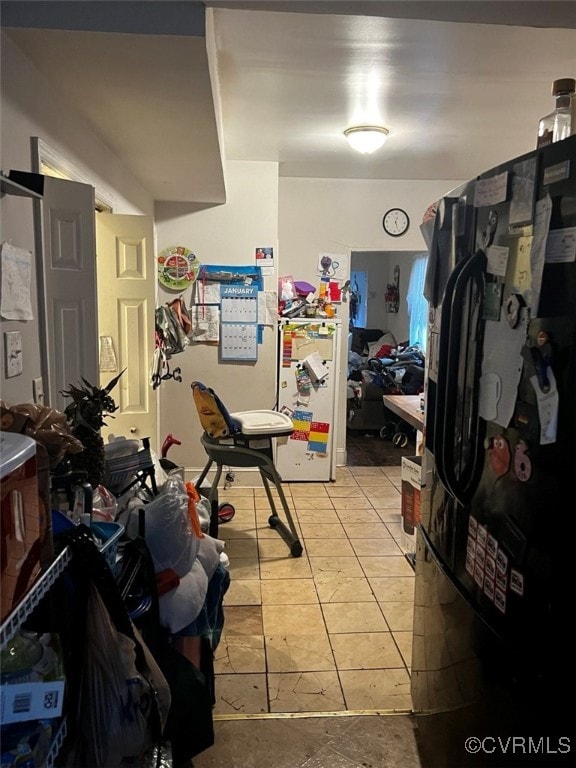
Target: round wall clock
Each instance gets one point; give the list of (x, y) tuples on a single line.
[(395, 222), (177, 267)]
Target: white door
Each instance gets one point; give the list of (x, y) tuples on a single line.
[(126, 304), (67, 295)]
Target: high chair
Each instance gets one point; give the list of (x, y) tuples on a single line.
[(244, 439)]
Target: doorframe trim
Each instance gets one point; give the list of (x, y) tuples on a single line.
[(43, 153)]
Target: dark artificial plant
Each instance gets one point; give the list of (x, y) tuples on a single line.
[(86, 416)]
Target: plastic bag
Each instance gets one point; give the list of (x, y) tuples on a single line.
[(45, 425), (104, 505), (168, 530), (120, 702)]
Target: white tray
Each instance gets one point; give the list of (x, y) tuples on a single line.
[(263, 422)]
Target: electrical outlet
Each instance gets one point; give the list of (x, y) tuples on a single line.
[(38, 390), (13, 353)]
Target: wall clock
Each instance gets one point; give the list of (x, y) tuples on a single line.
[(395, 222)]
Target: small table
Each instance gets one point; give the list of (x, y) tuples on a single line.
[(407, 407)]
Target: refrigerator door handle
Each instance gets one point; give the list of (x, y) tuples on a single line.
[(443, 353), (460, 487)]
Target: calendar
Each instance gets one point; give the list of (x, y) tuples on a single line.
[(239, 303), (239, 322)]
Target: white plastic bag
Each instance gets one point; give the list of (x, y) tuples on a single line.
[(104, 505), (168, 531)]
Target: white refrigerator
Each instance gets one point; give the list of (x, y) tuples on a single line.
[(308, 365)]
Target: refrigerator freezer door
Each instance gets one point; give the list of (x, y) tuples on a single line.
[(495, 579)]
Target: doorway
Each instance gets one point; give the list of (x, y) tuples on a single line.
[(119, 266), (374, 271)]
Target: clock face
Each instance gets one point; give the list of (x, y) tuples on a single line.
[(395, 222)]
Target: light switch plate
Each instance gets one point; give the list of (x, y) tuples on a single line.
[(13, 353), (38, 390)]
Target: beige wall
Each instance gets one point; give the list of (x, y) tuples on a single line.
[(227, 235), (341, 216), (32, 107)]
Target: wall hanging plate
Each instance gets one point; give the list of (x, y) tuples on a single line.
[(177, 267)]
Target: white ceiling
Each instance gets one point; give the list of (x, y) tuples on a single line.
[(457, 97)]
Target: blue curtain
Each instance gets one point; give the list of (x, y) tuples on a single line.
[(417, 304)]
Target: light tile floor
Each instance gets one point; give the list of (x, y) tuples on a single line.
[(329, 631)]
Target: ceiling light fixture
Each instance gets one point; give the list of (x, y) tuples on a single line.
[(366, 138)]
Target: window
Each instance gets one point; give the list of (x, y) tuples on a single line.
[(358, 298), (417, 304)]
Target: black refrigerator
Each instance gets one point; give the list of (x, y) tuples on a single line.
[(494, 645)]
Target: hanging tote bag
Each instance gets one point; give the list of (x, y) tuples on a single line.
[(124, 697)]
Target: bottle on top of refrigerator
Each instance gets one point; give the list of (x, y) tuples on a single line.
[(557, 125)]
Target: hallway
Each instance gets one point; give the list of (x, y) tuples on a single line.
[(316, 650), (330, 631)]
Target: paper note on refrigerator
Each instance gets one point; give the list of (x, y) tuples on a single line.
[(491, 190), (547, 408), (316, 367), (497, 256), (303, 346), (541, 228), (561, 245), (490, 390), (502, 357)]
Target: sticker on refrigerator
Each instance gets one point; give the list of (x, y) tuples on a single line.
[(500, 600), (490, 567), (471, 547), (516, 582), (555, 173), (482, 535), (501, 562), (301, 421), (318, 437), (480, 556), (499, 455), (303, 385), (479, 574), (492, 301), (472, 526), (491, 545), (501, 580), (489, 588), (547, 407), (470, 564), (522, 463)]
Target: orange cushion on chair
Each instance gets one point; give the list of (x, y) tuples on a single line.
[(215, 419)]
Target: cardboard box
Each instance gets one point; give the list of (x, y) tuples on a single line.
[(411, 488), (36, 699)]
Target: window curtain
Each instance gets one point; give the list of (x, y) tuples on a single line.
[(417, 304)]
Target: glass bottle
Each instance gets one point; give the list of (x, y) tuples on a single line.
[(557, 125)]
